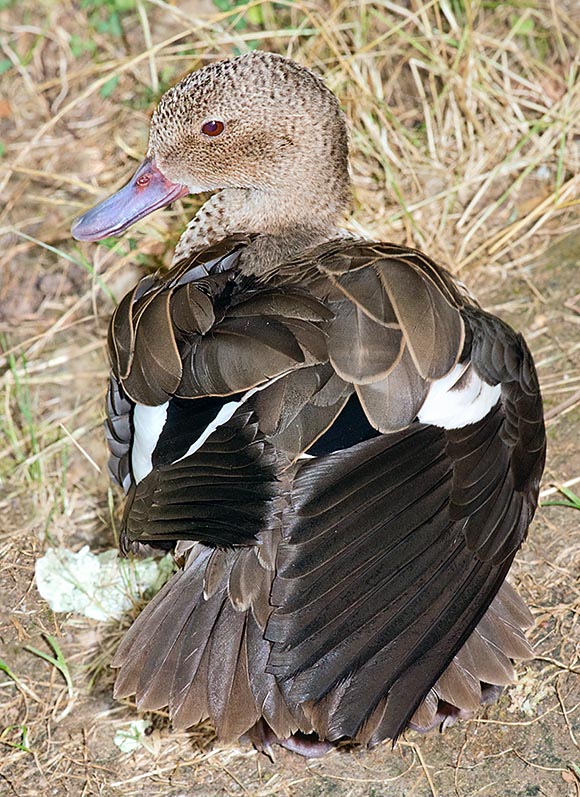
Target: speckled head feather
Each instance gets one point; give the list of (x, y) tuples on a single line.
[(281, 122), (284, 143)]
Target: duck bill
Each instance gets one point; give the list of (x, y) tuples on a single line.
[(146, 191)]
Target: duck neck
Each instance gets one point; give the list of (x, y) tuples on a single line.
[(285, 223)]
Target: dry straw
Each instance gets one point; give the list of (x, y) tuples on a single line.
[(464, 119)]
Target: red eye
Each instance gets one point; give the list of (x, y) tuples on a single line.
[(213, 127)]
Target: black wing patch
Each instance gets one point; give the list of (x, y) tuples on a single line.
[(223, 494), (350, 427), (186, 421)]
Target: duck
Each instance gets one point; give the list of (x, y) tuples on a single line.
[(341, 448)]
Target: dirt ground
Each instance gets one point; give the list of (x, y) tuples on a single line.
[(466, 141)]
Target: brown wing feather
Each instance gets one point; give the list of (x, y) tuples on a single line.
[(431, 325), (364, 288), (398, 328), (192, 311), (296, 410), (121, 334), (156, 366), (360, 349), (394, 402)]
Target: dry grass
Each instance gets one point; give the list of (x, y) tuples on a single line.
[(465, 127)]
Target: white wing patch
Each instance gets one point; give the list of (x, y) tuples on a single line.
[(456, 400), (148, 423), (452, 405)]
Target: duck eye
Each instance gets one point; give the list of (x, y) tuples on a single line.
[(213, 127)]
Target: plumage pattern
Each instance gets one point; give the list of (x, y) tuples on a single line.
[(391, 550), (211, 337), (342, 447)]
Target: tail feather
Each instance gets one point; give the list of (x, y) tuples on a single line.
[(191, 705), (459, 686), (484, 659), (199, 648), (231, 700)]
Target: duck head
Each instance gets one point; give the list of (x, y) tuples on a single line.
[(262, 130)]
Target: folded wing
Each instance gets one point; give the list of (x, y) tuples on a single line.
[(395, 548)]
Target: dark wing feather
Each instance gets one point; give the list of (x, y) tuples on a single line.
[(283, 304), (396, 548), (384, 605), (222, 494), (296, 410), (365, 289), (280, 403), (495, 489), (119, 433), (216, 258)]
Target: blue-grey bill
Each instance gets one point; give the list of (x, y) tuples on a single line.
[(146, 191)]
